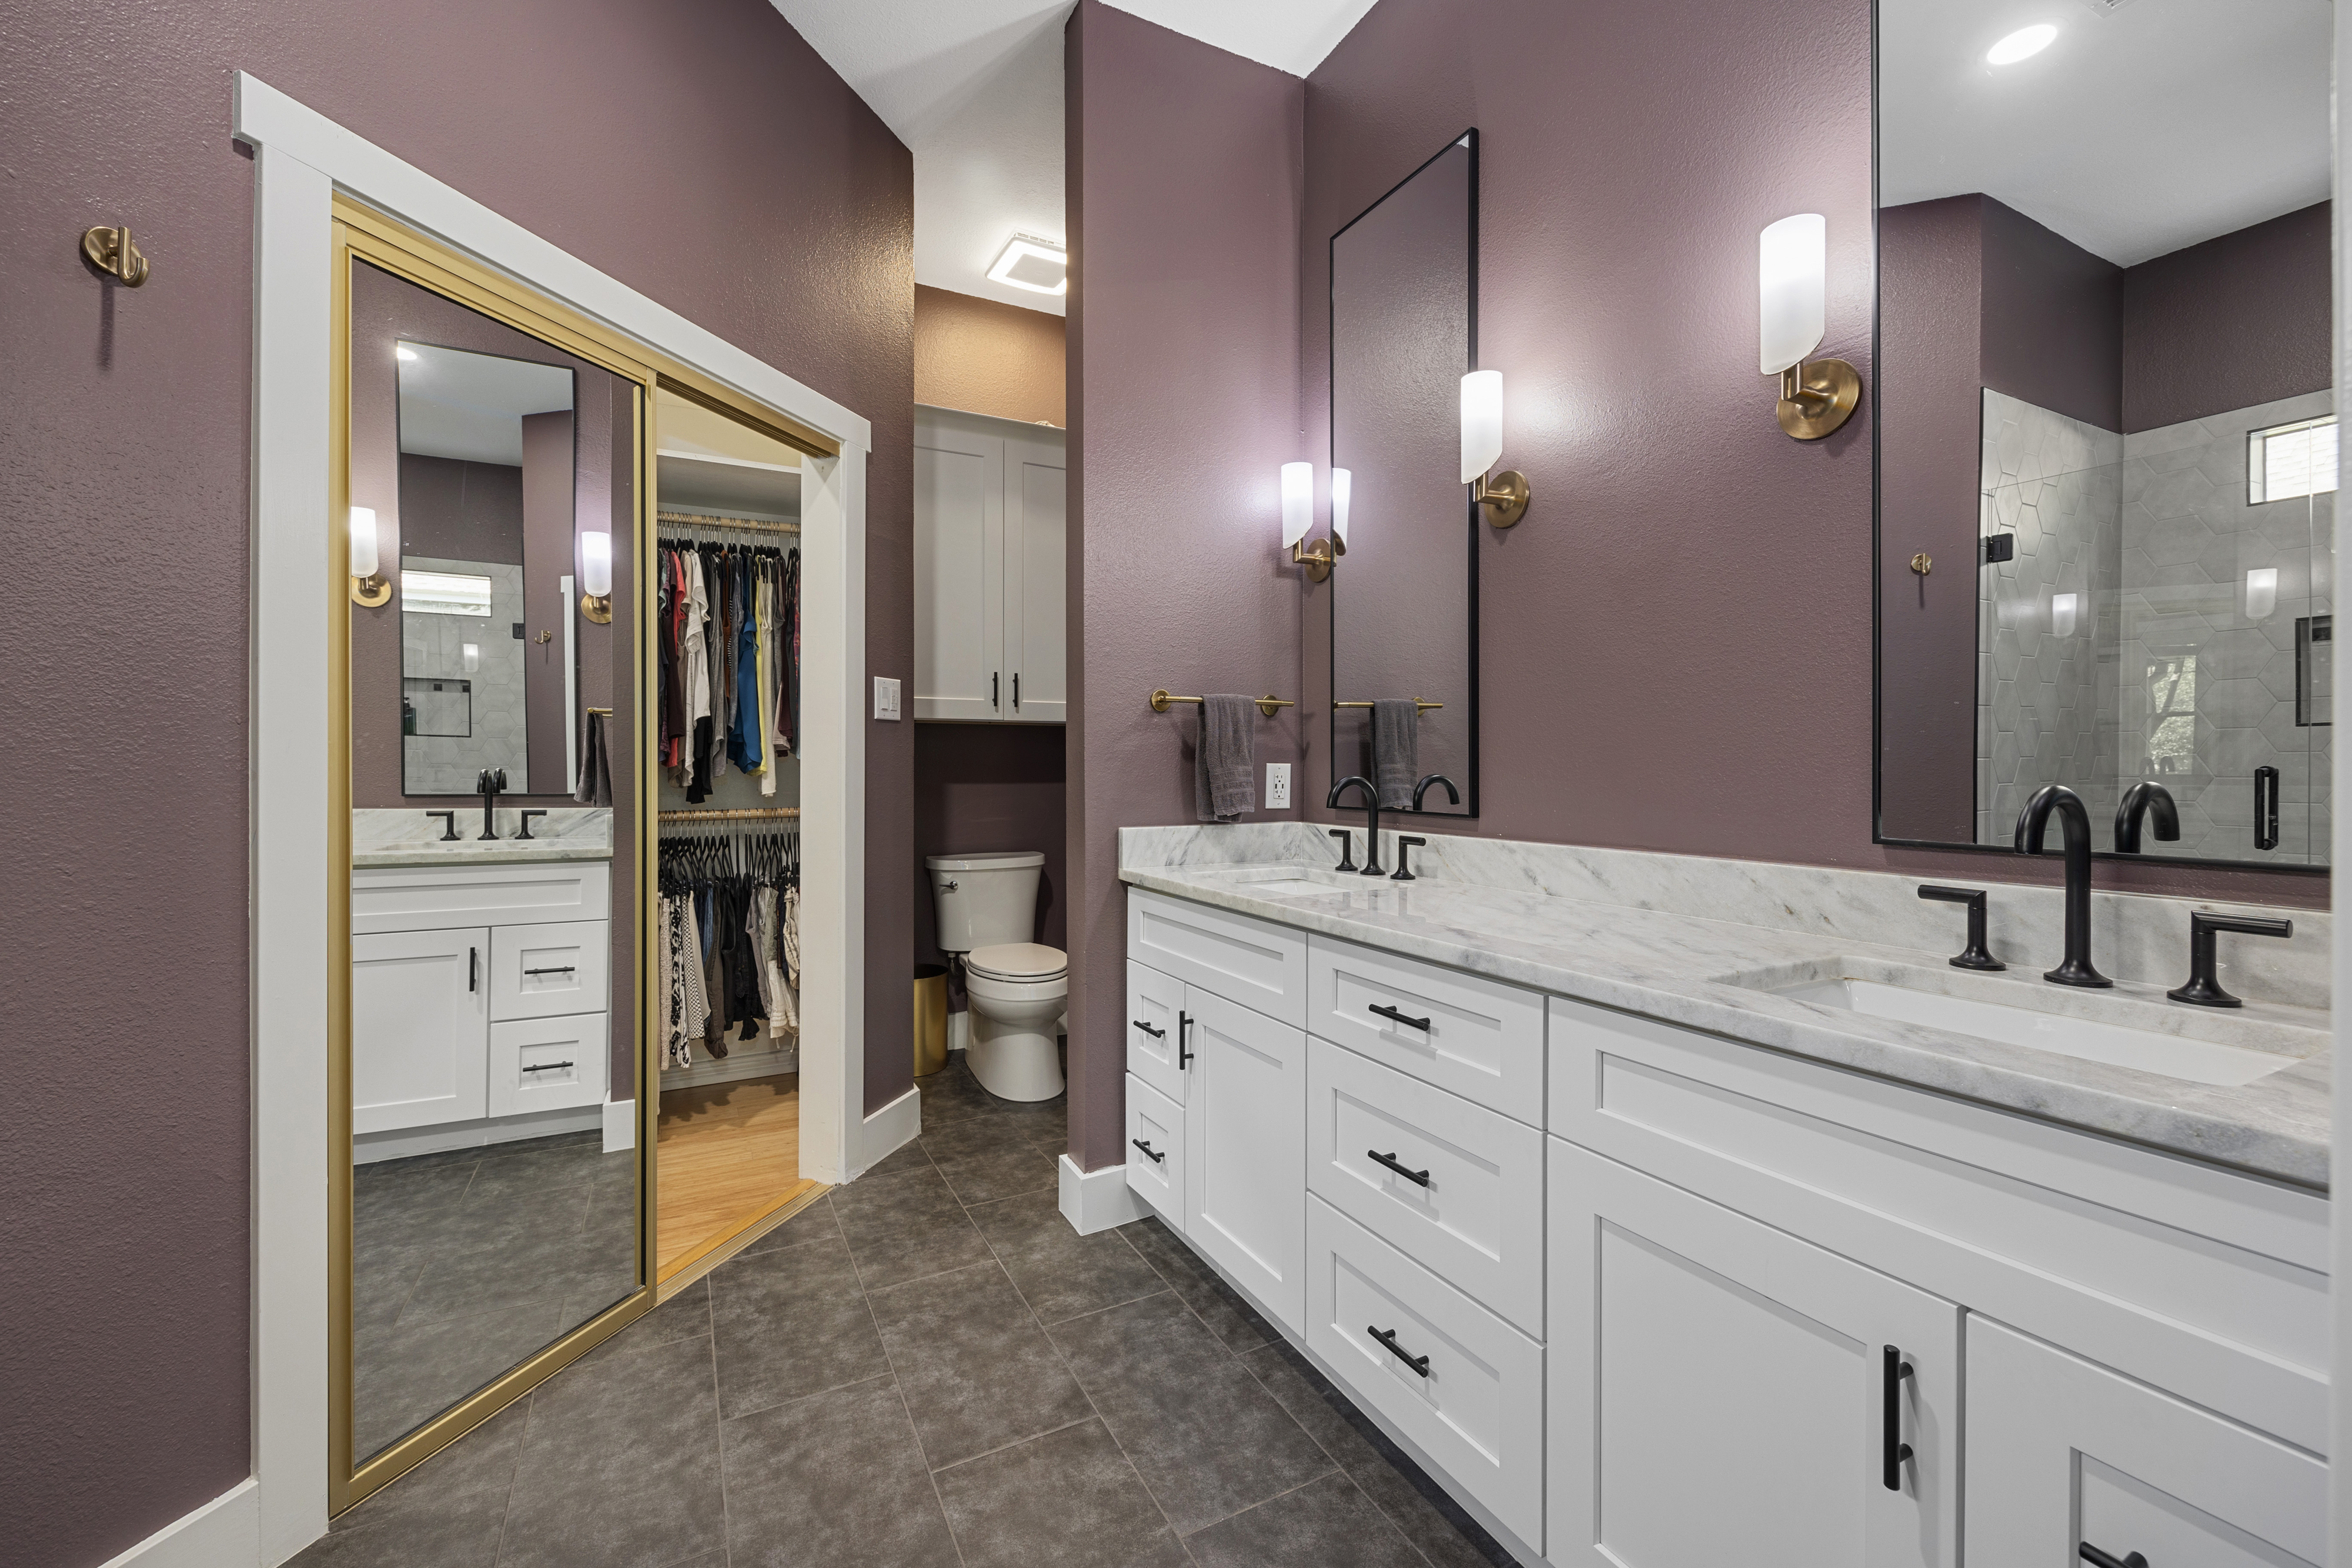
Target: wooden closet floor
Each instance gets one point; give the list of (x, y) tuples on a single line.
[(730, 1153)]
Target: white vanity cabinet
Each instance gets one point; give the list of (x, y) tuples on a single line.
[(990, 548)]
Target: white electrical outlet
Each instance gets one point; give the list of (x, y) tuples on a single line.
[(886, 698), (1277, 785)]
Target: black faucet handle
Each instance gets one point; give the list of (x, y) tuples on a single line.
[(1405, 846), (527, 816), (2204, 986), (1347, 848), (449, 825), (1975, 956)]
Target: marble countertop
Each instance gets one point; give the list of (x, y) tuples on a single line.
[(1683, 969), (388, 837)]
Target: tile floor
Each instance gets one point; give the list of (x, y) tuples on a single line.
[(927, 1367)]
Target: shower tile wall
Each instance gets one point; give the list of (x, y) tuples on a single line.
[(433, 647), (2046, 695)]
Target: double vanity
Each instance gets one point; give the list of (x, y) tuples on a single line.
[(1637, 1195)]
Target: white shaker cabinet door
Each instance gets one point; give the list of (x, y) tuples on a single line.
[(1245, 1151), (958, 574), (1036, 615), (2065, 1454), (420, 1029), (1718, 1391)]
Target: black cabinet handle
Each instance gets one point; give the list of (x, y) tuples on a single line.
[(1386, 1011), (1156, 1159), (1185, 1052), (548, 1067), (2266, 807), (564, 969), (1154, 1033), (2098, 1559), (993, 689), (1016, 691), (1387, 1341), (1420, 1178), (472, 967), (1894, 1370)]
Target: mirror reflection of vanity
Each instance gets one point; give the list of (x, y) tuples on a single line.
[(2107, 430), (1404, 594)]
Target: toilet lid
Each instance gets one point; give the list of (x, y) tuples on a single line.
[(1017, 961)]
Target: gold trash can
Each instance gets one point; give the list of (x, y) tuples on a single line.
[(930, 1018)]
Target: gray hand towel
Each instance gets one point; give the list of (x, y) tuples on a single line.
[(595, 786), (1225, 758), (1396, 749)]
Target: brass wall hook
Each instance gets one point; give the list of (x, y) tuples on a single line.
[(1320, 558), (111, 251), (1817, 396)]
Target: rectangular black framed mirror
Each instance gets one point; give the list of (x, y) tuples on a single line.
[(1404, 596), (2107, 423)]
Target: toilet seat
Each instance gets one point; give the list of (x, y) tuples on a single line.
[(1018, 963)]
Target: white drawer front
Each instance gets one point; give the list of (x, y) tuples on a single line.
[(1154, 1047), (1477, 1221), (547, 971), (548, 1064), (434, 898), (1480, 1038), (1248, 961), (1155, 1150), (1480, 1410)]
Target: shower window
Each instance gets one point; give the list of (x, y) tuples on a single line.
[(2288, 461)]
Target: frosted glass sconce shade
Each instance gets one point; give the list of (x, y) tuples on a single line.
[(2262, 592), (471, 654), (2063, 607), (1342, 486), (596, 578), (1792, 313), (1299, 516), (1297, 501), (1505, 496), (368, 586)]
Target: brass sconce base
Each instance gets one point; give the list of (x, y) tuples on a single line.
[(597, 608), (374, 593), (111, 251), (1320, 558), (1818, 396), (1505, 495)]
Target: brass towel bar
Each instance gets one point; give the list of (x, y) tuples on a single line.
[(605, 710), (1421, 704), (1161, 701), (754, 814)]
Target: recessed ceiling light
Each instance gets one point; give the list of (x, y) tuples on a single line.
[(1038, 265), (2024, 43), (406, 352)]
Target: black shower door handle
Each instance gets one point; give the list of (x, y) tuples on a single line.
[(1893, 1452), (2266, 807)]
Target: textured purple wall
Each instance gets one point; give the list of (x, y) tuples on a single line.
[(1183, 190), (2241, 319), (991, 787), (2053, 320), (697, 151)]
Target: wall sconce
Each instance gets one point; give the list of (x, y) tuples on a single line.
[(2062, 610), (369, 587), (470, 655), (2262, 592), (1505, 494), (1298, 516), (596, 578), (1792, 288)]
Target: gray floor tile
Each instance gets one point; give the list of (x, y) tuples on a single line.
[(902, 1228), (976, 1370), (1235, 1320), (505, 1257), (1044, 1126), (620, 1466), (1061, 1272), (987, 1158), (399, 1184), (1067, 1500), (815, 1223), (447, 1511), (832, 1481), (403, 1376), (1442, 1530), (1207, 1438), (1326, 1524), (789, 1323), (538, 1172), (907, 1156), (952, 1095)]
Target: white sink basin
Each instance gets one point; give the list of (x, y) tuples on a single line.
[(2065, 1034), (1297, 882)]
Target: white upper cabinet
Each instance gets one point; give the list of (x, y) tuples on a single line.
[(991, 525)]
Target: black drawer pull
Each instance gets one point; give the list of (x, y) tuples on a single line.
[(1894, 1370), (566, 970), (1156, 1159), (1419, 1178), (1386, 1011), (472, 967), (1387, 1338), (548, 1067), (1185, 1052), (1154, 1033), (2098, 1559)]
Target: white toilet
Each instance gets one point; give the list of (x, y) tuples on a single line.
[(987, 907)]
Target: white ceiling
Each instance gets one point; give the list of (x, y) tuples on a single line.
[(459, 404), (973, 88), (2143, 128)]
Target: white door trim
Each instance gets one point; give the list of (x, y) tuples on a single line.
[(302, 158)]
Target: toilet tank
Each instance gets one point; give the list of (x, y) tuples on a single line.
[(986, 899)]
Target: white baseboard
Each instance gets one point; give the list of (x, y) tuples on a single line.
[(620, 1125), (888, 1131), (370, 1148), (1097, 1200), (226, 1530)]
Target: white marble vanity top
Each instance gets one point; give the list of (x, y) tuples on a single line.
[(1718, 974), (384, 836)]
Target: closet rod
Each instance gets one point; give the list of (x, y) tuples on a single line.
[(741, 525), (748, 814)]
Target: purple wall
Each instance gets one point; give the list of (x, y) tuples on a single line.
[(699, 152), (991, 787), (2241, 319), (2053, 320), (550, 549), (1184, 192)]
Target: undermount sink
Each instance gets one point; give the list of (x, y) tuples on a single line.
[(2090, 1026), (1295, 882)]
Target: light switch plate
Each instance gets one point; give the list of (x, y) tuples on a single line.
[(1277, 785), (886, 698)]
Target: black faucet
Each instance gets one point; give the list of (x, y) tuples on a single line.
[(1372, 810), (2148, 799), (488, 784), (1422, 789), (2204, 988), (2075, 825)]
